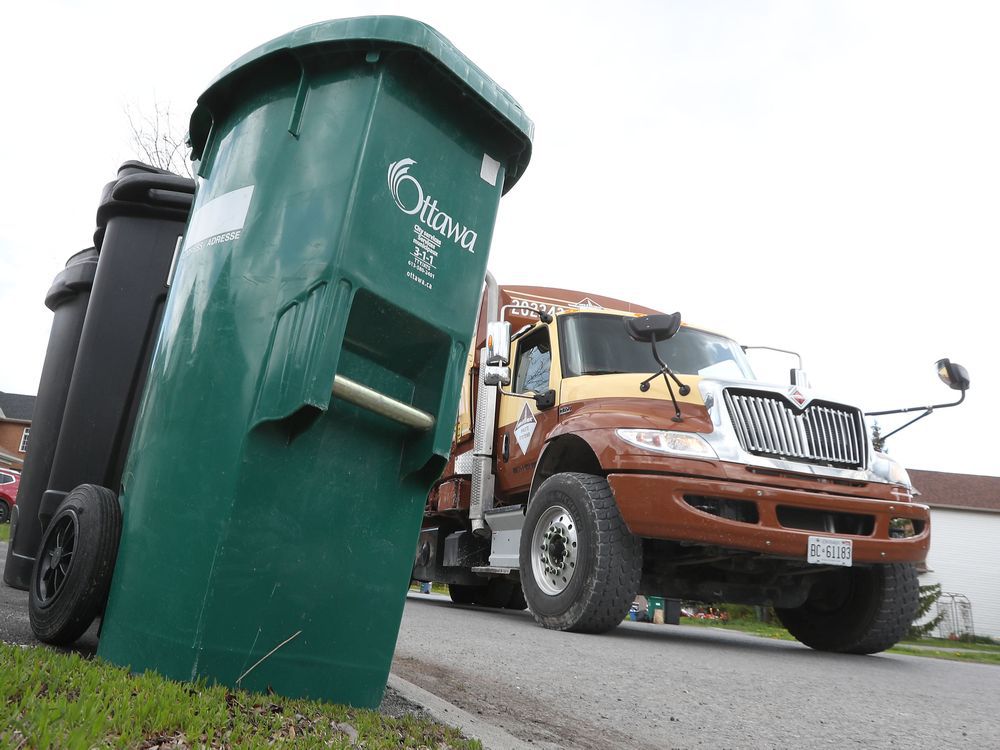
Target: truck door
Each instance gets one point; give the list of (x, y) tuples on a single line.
[(521, 426)]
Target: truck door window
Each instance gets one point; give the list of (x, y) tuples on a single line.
[(534, 359)]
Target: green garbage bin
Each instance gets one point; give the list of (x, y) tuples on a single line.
[(302, 392), (653, 603)]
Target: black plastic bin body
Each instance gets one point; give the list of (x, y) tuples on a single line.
[(67, 298), (139, 222)]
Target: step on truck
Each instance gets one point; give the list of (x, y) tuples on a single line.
[(604, 450)]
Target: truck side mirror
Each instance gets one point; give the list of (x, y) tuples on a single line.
[(954, 375), (653, 328), (496, 375), (498, 343)]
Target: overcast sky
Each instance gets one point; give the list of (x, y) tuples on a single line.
[(816, 176)]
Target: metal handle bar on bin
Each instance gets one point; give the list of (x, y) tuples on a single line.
[(366, 398), (143, 187)]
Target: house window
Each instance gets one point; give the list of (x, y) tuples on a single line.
[(24, 440)]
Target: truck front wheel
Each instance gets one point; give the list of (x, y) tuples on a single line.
[(580, 565), (856, 610)]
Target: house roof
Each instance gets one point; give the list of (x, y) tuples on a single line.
[(940, 489), (16, 406)]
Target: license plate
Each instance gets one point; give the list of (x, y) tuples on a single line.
[(824, 550)]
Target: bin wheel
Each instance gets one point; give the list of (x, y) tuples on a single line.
[(72, 572), (4, 511), (495, 594)]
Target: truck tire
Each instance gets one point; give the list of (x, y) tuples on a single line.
[(462, 594), (494, 594), (580, 565), (516, 600), (72, 573), (856, 610)]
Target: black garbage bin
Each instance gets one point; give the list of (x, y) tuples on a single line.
[(140, 220), (67, 298)]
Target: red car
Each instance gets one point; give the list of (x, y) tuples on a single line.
[(10, 480)]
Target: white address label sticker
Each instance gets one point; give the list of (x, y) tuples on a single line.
[(489, 170), (222, 216)]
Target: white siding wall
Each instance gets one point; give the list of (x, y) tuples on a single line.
[(965, 559)]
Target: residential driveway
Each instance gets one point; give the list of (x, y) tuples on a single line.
[(662, 686)]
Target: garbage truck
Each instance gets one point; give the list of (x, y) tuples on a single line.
[(603, 449)]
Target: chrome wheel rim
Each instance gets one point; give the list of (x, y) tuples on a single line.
[(554, 550)]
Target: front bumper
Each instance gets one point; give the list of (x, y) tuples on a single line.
[(654, 506)]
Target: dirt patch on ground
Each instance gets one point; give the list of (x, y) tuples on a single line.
[(508, 706), (396, 706)]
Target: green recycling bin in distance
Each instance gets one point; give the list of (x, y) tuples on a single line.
[(319, 320), (653, 603)]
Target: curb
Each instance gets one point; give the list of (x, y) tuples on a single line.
[(492, 737)]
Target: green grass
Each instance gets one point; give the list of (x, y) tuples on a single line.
[(4, 532), (436, 588), (980, 657), (54, 700), (945, 644), (762, 629)]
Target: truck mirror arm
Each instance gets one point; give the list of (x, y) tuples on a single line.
[(926, 409), (775, 349), (665, 370), (879, 442), (952, 374), (797, 376)]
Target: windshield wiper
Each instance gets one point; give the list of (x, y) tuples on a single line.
[(653, 328), (603, 372)]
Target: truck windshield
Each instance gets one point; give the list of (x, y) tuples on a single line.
[(599, 344)]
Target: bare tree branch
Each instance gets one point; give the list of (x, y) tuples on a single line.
[(156, 141)]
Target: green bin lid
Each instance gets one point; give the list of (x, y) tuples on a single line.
[(349, 33)]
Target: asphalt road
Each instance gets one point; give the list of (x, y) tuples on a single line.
[(14, 624), (662, 686)]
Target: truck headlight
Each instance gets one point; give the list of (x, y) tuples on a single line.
[(668, 441), (890, 470)]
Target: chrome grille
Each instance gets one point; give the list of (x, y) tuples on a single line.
[(769, 425)]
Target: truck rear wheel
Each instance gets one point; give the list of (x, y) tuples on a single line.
[(462, 594), (494, 594), (580, 565), (516, 600), (856, 610)]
